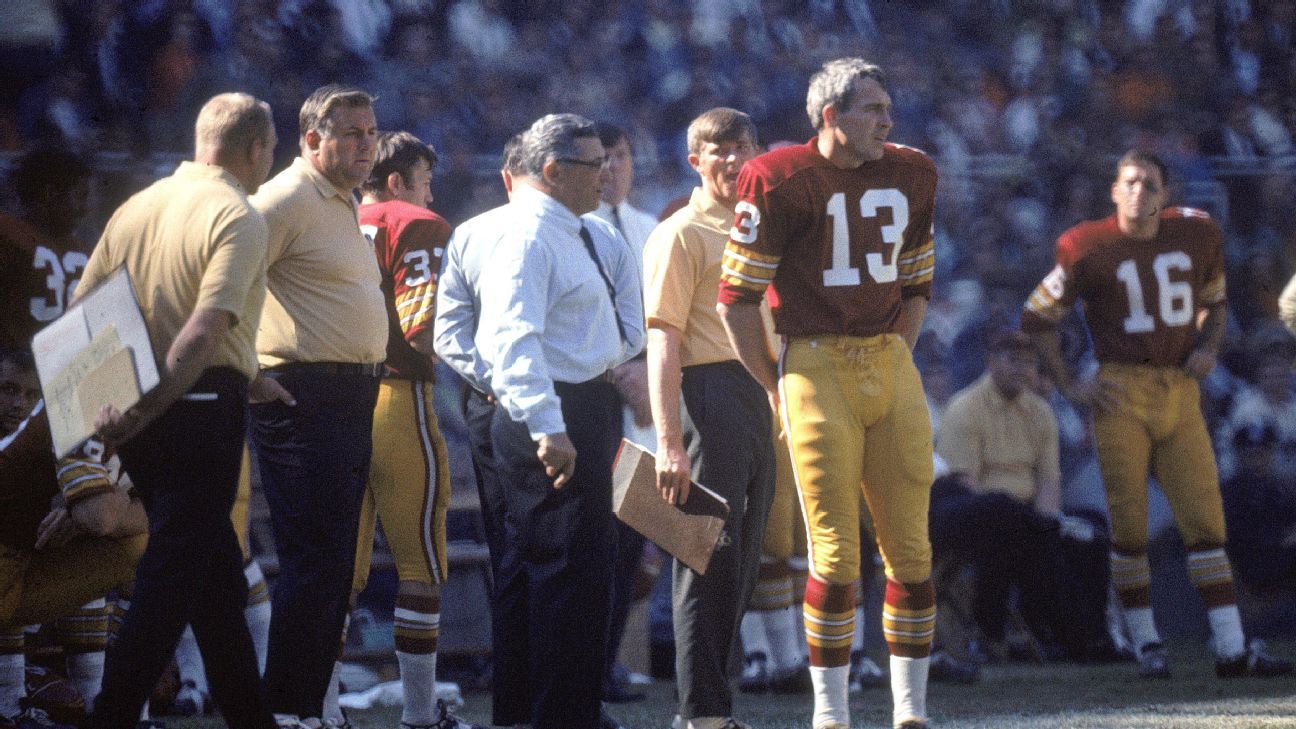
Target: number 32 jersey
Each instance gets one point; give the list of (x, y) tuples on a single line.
[(1141, 296), (38, 277), (841, 247), (409, 242)]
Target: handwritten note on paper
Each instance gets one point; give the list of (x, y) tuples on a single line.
[(63, 392), (97, 336)]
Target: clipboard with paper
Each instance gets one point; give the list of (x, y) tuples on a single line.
[(98, 353), (689, 531)]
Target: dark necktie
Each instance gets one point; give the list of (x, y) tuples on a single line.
[(593, 254)]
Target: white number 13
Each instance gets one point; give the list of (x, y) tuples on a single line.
[(880, 270)]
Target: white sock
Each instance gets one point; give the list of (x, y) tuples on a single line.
[(1226, 631), (1141, 626), (189, 661), (258, 622), (785, 638), (85, 671), (909, 688), (12, 686), (831, 695), (707, 722), (754, 637), (418, 679), (332, 710)]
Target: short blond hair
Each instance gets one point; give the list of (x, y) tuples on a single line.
[(717, 125), (230, 123)]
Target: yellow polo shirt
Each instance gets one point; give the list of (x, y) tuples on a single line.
[(1008, 446), (325, 301), (190, 241), (682, 279)]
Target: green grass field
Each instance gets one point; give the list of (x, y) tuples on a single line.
[(1013, 696)]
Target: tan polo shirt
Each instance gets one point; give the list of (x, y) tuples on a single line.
[(325, 301), (190, 241), (1008, 446), (682, 279)]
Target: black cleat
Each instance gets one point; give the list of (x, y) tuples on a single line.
[(1255, 662)]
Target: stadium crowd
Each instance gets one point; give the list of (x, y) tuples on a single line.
[(1023, 106)]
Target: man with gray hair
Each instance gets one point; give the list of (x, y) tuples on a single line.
[(841, 227), (195, 250), (556, 314), (321, 348)]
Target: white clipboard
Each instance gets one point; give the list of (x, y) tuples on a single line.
[(98, 353)]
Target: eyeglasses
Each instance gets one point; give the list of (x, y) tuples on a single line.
[(593, 163)]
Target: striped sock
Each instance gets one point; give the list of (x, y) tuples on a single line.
[(117, 609), (416, 629), (1132, 578), (1212, 575), (84, 636), (909, 618), (829, 612), (773, 590)]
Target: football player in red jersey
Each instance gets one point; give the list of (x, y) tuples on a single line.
[(841, 227), (409, 478), (54, 560), (40, 258), (1152, 282)]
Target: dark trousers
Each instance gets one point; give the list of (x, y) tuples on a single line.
[(625, 571), (509, 707), (727, 431), (185, 466), (478, 413), (314, 463), (553, 587), (1008, 543)]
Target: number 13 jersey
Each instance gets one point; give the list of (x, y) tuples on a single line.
[(1141, 296), (841, 247)]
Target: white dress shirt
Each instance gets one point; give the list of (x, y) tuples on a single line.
[(634, 224), (459, 297), (544, 313)]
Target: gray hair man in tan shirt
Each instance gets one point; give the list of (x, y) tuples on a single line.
[(321, 346)]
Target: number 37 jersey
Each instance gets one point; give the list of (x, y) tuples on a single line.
[(841, 247), (1141, 297)]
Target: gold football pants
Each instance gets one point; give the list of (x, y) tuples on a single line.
[(1157, 427), (409, 485), (855, 417), (39, 586)]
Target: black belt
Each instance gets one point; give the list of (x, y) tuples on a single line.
[(370, 369)]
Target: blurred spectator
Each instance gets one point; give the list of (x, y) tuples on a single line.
[(1000, 508), (1267, 400), (1260, 509)]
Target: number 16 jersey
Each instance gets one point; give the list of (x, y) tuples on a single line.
[(1141, 296), (841, 247)]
